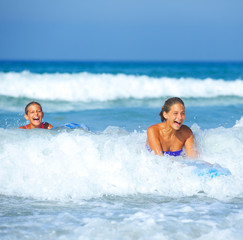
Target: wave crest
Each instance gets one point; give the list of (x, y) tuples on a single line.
[(88, 87), (79, 164)]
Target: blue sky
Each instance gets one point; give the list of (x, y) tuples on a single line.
[(143, 30)]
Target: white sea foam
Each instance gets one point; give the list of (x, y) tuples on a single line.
[(239, 123), (77, 164), (103, 87)]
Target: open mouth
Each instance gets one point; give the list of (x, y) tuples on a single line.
[(36, 119), (178, 124)]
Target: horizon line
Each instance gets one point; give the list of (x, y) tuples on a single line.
[(120, 61)]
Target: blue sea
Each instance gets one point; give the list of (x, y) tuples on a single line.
[(100, 182)]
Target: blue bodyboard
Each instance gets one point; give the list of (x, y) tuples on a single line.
[(73, 126), (202, 168)]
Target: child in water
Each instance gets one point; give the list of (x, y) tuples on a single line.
[(170, 136), (34, 114)]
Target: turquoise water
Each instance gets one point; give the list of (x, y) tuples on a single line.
[(101, 183)]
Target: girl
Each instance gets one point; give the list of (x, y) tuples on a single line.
[(34, 114), (170, 136)]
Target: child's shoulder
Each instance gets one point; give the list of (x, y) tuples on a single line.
[(47, 125), (154, 127), (186, 130)]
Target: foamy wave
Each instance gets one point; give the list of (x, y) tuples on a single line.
[(103, 87), (76, 164), (239, 123)]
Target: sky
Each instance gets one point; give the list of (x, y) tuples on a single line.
[(121, 30)]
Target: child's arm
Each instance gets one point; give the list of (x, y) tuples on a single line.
[(190, 145), (153, 140)]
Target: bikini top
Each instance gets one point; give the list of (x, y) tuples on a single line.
[(42, 126), (174, 153)]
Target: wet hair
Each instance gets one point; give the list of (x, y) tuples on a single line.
[(167, 105), (31, 103)]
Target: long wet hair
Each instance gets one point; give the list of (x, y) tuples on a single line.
[(167, 105), (26, 108)]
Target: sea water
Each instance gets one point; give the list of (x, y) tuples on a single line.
[(101, 182)]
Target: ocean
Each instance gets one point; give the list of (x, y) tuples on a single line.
[(100, 182)]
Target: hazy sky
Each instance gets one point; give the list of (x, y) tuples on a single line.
[(154, 30)]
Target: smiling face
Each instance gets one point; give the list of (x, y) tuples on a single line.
[(34, 115), (176, 116)]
